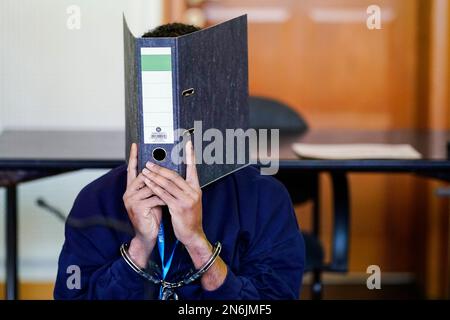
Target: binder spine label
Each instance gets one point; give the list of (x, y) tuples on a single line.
[(157, 96)]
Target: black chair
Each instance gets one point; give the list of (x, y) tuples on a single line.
[(266, 113)]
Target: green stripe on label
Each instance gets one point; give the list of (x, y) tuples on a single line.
[(156, 62)]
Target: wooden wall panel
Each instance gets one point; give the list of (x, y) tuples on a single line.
[(324, 62)]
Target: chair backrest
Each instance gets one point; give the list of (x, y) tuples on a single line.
[(268, 113)]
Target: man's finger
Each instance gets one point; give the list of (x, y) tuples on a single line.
[(132, 164), (191, 167), (166, 184), (136, 184), (160, 192), (169, 174), (153, 202), (143, 193)]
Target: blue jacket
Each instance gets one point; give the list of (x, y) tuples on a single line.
[(250, 214)]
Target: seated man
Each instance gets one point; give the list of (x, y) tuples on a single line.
[(248, 215)]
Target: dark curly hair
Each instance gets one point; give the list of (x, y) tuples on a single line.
[(171, 30)]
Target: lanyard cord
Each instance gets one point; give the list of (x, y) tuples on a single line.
[(164, 266)]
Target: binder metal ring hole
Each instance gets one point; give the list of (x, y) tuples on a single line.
[(188, 92), (159, 154)]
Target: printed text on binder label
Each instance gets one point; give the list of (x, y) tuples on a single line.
[(157, 98)]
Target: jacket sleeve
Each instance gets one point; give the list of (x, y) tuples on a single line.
[(90, 265), (273, 264)]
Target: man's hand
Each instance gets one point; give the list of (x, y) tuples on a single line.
[(144, 211), (184, 199)]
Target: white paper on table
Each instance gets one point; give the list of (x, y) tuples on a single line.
[(355, 151)]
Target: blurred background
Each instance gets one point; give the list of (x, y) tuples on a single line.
[(317, 56)]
